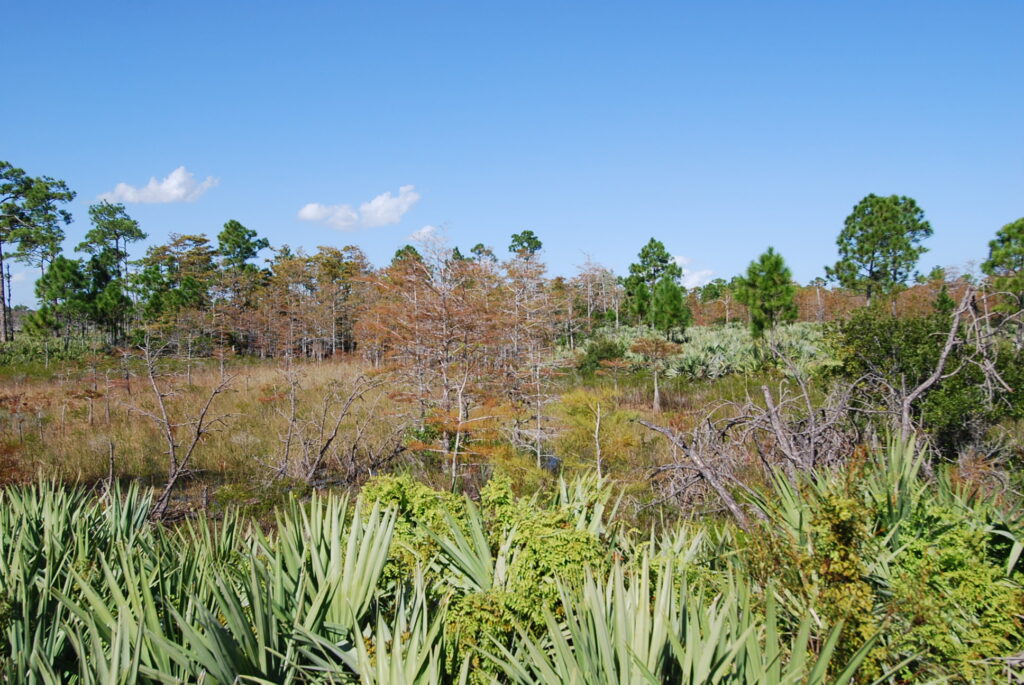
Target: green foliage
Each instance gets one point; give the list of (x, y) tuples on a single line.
[(954, 605), (406, 252), (178, 275), (108, 239), (879, 245), (597, 350), (715, 351), (638, 303), (1005, 263), (525, 590), (904, 351), (483, 253), (507, 566), (653, 264), (597, 433), (768, 291), (526, 243), (31, 216), (896, 560), (669, 312), (237, 244), (419, 510), (30, 353)]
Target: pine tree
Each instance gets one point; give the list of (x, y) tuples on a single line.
[(639, 304), (768, 291), (668, 307), (30, 222), (653, 263), (108, 239), (1005, 263), (237, 244), (879, 245), (63, 292), (526, 244)]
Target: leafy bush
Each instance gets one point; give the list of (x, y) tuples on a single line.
[(26, 350), (902, 352), (597, 350), (950, 603)]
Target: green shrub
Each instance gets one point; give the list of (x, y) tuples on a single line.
[(952, 606), (904, 351), (420, 509), (598, 350)]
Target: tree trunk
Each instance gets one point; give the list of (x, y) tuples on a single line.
[(657, 394), (5, 315)]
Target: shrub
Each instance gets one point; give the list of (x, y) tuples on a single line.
[(598, 350), (951, 605), (904, 351)]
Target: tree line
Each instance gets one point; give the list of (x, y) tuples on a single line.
[(210, 294)]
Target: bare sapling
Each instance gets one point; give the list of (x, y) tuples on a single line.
[(182, 434)]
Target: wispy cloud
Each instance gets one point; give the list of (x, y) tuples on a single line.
[(19, 277), (423, 234), (693, 278), (697, 278), (178, 186), (383, 210)]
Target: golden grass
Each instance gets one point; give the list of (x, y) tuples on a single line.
[(64, 428)]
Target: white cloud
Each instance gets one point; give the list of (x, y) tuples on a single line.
[(695, 279), (383, 210), (423, 234), (19, 277), (386, 209), (692, 278), (339, 216), (178, 186)]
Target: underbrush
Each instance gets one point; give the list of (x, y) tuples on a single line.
[(869, 574), (711, 352)]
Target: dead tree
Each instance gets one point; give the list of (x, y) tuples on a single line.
[(311, 438), (714, 478), (182, 435)]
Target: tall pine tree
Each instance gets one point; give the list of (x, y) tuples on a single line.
[(653, 263), (668, 307), (768, 292)]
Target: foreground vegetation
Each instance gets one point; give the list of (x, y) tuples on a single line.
[(879, 573)]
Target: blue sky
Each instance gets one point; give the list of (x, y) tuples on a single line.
[(718, 127)]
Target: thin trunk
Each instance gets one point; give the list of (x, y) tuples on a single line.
[(10, 309), (4, 314), (657, 393), (537, 414)]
